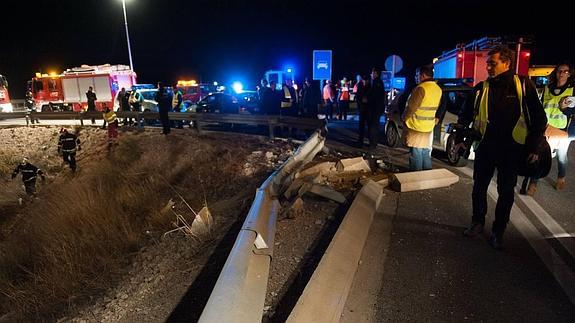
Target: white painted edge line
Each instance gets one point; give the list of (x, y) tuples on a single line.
[(555, 228), (562, 273)]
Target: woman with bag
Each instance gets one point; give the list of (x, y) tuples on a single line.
[(558, 100)]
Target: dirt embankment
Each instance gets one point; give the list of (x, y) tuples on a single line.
[(93, 243)]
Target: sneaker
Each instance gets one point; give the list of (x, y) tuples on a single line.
[(473, 230), (496, 241), (532, 189), (560, 184)]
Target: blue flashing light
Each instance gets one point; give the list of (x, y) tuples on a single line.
[(238, 87), (289, 70)]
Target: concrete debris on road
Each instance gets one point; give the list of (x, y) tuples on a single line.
[(422, 180)]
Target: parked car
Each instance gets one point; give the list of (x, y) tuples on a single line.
[(243, 103), (455, 91), (149, 102)]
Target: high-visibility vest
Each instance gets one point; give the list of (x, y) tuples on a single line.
[(110, 116), (482, 117), (344, 93), (177, 96), (423, 120), (555, 116)]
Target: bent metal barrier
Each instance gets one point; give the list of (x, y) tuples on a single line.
[(198, 119), (240, 291)]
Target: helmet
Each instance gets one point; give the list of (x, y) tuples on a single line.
[(539, 168), (63, 130)]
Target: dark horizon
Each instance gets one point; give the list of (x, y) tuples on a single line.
[(223, 40)]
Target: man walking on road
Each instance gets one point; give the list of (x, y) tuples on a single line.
[(419, 118), (510, 120)]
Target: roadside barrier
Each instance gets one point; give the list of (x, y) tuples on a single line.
[(240, 291), (199, 120)]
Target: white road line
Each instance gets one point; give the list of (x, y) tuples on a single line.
[(555, 228), (562, 273)]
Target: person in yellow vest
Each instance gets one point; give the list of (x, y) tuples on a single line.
[(110, 117), (419, 118), (506, 113), (558, 100), (177, 100)]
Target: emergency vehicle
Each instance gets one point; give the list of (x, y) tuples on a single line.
[(67, 91), (193, 92), (468, 61), (5, 104)]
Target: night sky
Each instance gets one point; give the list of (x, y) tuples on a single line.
[(239, 40)]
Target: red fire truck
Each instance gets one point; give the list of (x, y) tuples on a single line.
[(468, 61), (5, 104), (67, 91), (192, 92)]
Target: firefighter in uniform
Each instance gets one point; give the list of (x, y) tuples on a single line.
[(419, 118), (68, 144), (110, 117), (509, 122), (29, 173), (30, 107)]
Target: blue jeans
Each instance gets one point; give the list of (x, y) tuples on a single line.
[(419, 159)]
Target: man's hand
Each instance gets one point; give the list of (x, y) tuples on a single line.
[(532, 158)]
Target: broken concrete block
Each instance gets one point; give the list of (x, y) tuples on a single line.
[(377, 178), (352, 164), (434, 178), (296, 210), (323, 191), (321, 168)]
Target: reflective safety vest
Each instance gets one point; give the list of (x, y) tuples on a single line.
[(423, 120), (176, 100), (482, 117), (555, 116), (110, 116), (344, 95)]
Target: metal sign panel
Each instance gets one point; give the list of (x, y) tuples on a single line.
[(386, 77), (322, 64)]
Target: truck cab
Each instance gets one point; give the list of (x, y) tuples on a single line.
[(5, 104)]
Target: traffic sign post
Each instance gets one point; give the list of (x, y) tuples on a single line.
[(393, 64)]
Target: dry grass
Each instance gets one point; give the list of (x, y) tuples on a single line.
[(73, 242)]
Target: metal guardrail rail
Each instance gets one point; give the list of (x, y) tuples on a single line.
[(240, 291), (199, 119)]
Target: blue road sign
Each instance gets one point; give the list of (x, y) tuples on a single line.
[(322, 64), (386, 78)]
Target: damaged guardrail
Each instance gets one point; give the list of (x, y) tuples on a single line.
[(240, 291)]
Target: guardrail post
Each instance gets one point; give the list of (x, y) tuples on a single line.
[(27, 119), (140, 120), (271, 126)]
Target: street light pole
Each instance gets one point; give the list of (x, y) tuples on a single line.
[(128, 36)]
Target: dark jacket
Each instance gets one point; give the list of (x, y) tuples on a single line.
[(164, 100), (310, 98), (28, 171), (503, 112), (376, 97), (68, 142), (91, 98)]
